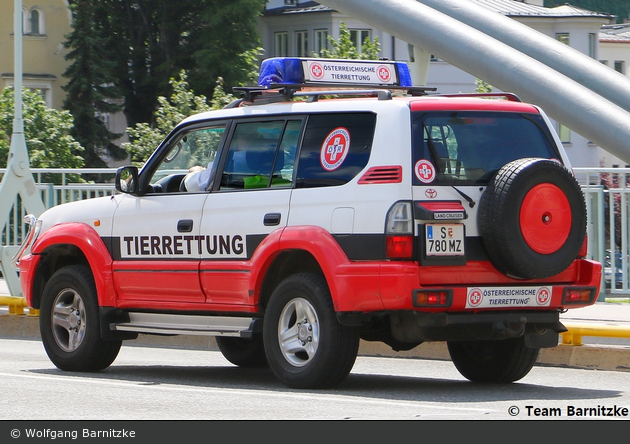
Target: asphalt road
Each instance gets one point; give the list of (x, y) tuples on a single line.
[(146, 383)]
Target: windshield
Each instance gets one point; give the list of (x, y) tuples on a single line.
[(470, 147)]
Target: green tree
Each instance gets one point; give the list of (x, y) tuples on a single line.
[(130, 49), (225, 43), (47, 133), (152, 40), (90, 93), (482, 86), (145, 138), (620, 8), (344, 48)]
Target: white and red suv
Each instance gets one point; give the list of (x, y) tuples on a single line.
[(386, 213)]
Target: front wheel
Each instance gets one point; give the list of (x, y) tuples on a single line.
[(70, 325), (305, 344), (499, 361)]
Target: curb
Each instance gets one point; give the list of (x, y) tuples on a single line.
[(591, 357)]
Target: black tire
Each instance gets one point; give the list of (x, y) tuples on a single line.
[(306, 346), (244, 352), (70, 325), (502, 361), (532, 218)]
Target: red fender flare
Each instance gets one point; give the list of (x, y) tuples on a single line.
[(90, 243)]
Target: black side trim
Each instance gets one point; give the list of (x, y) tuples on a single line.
[(113, 246), (362, 247)]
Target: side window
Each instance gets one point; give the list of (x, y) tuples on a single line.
[(336, 147), (192, 150), (261, 155)]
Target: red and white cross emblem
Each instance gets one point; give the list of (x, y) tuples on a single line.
[(425, 171), (335, 149)]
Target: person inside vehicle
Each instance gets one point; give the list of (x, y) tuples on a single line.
[(198, 178)]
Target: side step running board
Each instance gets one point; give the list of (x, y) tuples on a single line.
[(172, 324)]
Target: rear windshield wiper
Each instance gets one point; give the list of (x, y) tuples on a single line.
[(434, 154)]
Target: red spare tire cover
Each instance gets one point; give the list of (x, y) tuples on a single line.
[(532, 218)]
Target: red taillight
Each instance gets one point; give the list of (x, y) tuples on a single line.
[(399, 247), (432, 298), (578, 295)]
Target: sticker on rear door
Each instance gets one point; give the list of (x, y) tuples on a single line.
[(495, 297), (425, 171), (335, 149)]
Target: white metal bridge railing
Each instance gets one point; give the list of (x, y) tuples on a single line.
[(56, 186), (607, 195), (606, 192)]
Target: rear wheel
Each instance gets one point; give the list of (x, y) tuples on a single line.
[(244, 352), (70, 325), (500, 361), (306, 346)]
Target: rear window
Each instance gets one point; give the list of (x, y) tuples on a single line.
[(469, 147)]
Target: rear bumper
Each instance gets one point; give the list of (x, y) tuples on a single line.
[(474, 288)]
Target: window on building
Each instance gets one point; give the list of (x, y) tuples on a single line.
[(321, 41), (564, 133), (281, 44), (604, 62), (620, 66), (563, 37), (301, 43), (40, 86), (33, 22), (592, 45), (358, 36), (290, 2), (42, 92)]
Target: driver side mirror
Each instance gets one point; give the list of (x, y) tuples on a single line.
[(127, 180)]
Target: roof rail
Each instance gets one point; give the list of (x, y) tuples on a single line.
[(313, 96), (508, 96), (277, 92)]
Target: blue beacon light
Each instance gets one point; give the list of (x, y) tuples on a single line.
[(295, 71)]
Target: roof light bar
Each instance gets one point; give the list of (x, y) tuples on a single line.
[(309, 71)]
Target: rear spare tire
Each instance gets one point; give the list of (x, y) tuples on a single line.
[(532, 218)]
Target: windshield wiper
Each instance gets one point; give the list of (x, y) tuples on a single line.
[(471, 203), (438, 161)]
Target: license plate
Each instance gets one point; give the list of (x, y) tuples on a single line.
[(444, 239)]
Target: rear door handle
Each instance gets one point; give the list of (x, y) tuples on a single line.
[(272, 219)]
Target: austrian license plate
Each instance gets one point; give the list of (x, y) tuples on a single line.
[(444, 239)]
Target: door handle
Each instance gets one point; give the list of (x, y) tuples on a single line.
[(272, 219), (185, 226)]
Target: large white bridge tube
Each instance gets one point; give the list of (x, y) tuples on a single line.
[(590, 73), (564, 99)]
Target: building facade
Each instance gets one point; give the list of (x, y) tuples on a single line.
[(614, 52), (45, 24)]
